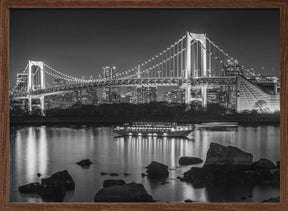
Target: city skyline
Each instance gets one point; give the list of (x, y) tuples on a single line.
[(66, 39)]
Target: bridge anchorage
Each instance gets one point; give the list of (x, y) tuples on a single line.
[(193, 62)]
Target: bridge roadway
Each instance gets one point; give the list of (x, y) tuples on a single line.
[(172, 81)]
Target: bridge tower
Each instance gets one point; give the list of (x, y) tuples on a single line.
[(190, 72), (31, 86)]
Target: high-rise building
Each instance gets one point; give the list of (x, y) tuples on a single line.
[(145, 94), (175, 96), (88, 96), (110, 94)]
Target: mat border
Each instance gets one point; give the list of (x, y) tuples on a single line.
[(5, 5)]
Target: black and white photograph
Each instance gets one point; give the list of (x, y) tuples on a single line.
[(144, 105)]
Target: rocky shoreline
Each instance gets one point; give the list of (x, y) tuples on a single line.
[(230, 165), (224, 165)]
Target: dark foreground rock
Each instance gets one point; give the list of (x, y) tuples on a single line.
[(276, 199), (188, 201), (65, 178), (157, 170), (112, 182), (189, 160), (84, 163), (130, 192), (221, 155), (263, 164), (225, 169), (52, 189), (30, 188)]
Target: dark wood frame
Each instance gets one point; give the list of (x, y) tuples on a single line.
[(5, 5)]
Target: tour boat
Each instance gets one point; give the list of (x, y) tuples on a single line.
[(155, 129)]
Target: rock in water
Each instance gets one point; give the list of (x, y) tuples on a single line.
[(30, 188), (130, 192), (65, 178), (188, 201), (263, 164), (189, 160), (52, 190), (157, 170), (112, 182), (84, 163), (221, 155)]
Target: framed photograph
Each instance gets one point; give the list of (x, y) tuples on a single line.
[(143, 105)]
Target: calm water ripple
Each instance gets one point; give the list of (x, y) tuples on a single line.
[(46, 150)]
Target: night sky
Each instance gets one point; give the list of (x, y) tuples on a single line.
[(80, 42)]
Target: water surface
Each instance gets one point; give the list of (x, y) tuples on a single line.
[(46, 149)]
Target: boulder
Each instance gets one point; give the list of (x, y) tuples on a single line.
[(157, 170), (263, 164), (130, 192), (221, 155), (84, 163), (189, 160), (188, 201), (30, 188), (65, 178), (230, 165), (52, 190), (112, 182)]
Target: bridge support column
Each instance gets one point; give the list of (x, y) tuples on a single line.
[(42, 105), (189, 73), (29, 104), (188, 68), (204, 96), (188, 94)]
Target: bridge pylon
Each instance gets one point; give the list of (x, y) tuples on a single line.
[(31, 86), (190, 72)]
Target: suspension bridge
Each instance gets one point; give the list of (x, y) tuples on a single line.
[(192, 61)]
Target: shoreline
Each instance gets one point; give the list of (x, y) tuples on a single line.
[(110, 122)]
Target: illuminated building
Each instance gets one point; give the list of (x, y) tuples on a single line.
[(175, 96), (146, 94), (248, 94), (110, 94)]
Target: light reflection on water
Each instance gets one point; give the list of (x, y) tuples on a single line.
[(46, 150)]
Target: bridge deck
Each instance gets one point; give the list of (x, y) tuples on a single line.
[(201, 81)]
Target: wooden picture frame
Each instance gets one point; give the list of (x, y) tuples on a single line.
[(5, 5)]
